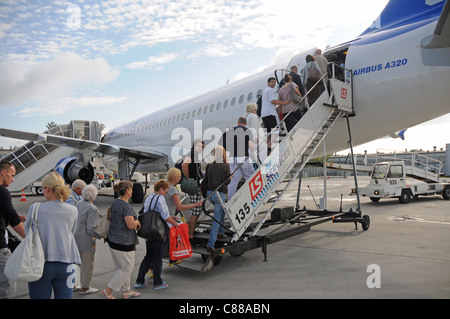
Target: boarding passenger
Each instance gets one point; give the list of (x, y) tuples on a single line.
[(254, 124), (238, 141), (8, 215), (191, 167), (86, 235), (285, 94), (173, 197), (75, 194), (57, 223), (312, 74), (122, 238), (217, 173), (153, 256), (322, 62), (334, 63), (296, 79), (269, 112)]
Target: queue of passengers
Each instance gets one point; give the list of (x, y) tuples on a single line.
[(67, 221)]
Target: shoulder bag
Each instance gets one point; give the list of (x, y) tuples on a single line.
[(153, 227), (295, 98), (27, 262), (313, 75)]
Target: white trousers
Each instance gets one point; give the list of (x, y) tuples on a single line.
[(124, 264)]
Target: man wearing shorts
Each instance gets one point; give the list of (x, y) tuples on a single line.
[(269, 112)]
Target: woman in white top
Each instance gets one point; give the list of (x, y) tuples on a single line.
[(153, 257)]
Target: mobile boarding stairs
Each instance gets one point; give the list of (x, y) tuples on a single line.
[(248, 222), (35, 159)]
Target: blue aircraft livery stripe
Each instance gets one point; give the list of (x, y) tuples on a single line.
[(399, 13)]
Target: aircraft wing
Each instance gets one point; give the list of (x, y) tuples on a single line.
[(441, 34), (82, 145)]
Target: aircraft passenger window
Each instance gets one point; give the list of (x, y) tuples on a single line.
[(211, 108), (161, 123), (199, 112), (233, 101), (173, 119), (205, 110), (193, 113), (241, 99), (183, 116), (249, 97), (188, 115), (259, 93), (225, 104), (218, 106), (178, 117)]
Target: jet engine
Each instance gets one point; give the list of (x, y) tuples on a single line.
[(71, 169)]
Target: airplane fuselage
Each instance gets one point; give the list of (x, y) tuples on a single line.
[(396, 84)]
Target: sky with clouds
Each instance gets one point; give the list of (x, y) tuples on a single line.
[(114, 60)]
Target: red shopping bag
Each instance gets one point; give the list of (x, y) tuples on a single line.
[(180, 247)]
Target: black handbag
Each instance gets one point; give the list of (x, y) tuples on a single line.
[(153, 227), (13, 241)]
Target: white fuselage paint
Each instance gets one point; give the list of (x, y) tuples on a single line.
[(392, 90)]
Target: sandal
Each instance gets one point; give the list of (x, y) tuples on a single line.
[(131, 294), (104, 294), (164, 285)]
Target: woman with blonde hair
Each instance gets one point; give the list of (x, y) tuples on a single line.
[(56, 222), (173, 197), (217, 173)]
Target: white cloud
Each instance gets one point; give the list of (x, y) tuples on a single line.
[(23, 82), (153, 62), (65, 104)]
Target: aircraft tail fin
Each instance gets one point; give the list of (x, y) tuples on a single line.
[(400, 12)]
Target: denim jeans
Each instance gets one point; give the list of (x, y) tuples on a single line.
[(57, 277), (219, 214), (5, 284), (246, 169)]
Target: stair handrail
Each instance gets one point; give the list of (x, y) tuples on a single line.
[(277, 127)]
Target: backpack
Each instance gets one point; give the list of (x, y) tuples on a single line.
[(259, 103)]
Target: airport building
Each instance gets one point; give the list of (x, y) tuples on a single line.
[(315, 168)]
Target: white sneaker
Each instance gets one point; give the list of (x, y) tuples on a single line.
[(89, 291)]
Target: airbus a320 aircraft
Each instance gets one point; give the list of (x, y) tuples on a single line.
[(400, 73)]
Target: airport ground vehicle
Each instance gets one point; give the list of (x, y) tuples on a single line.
[(389, 180)]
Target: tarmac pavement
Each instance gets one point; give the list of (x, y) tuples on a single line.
[(405, 254)]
